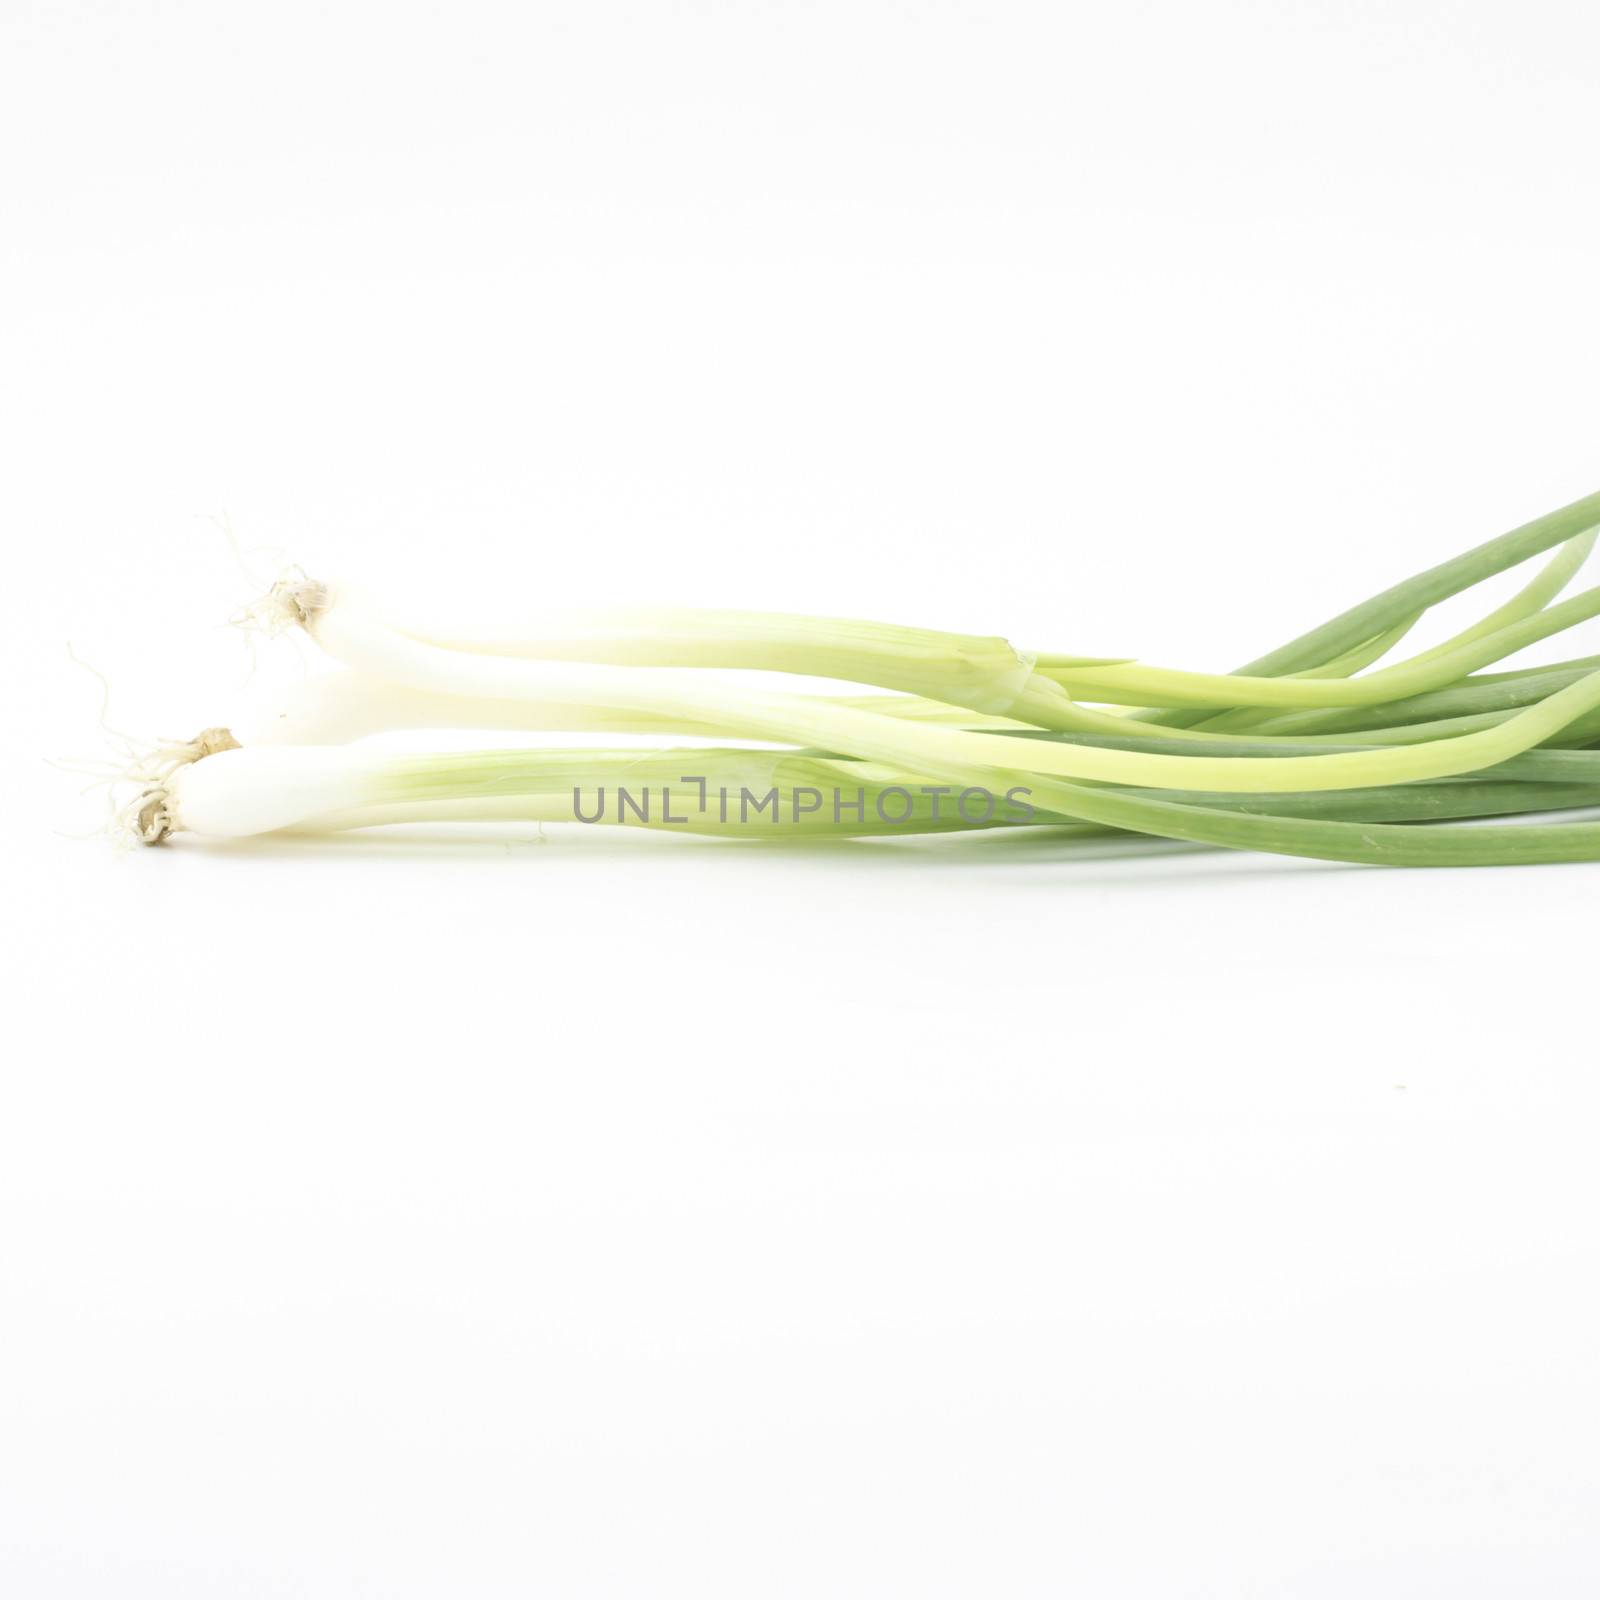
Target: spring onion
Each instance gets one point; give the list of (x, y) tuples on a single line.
[(1316, 749)]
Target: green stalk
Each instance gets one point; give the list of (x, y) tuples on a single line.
[(1383, 611), (1487, 692), (1527, 602), (1365, 843), (1136, 684), (1359, 659)]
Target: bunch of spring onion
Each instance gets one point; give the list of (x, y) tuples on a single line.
[(1316, 749)]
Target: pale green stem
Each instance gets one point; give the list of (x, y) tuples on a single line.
[(368, 645)]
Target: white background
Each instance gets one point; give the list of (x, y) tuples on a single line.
[(605, 1216)]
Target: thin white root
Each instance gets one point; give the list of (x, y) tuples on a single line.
[(147, 818), (291, 602)]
